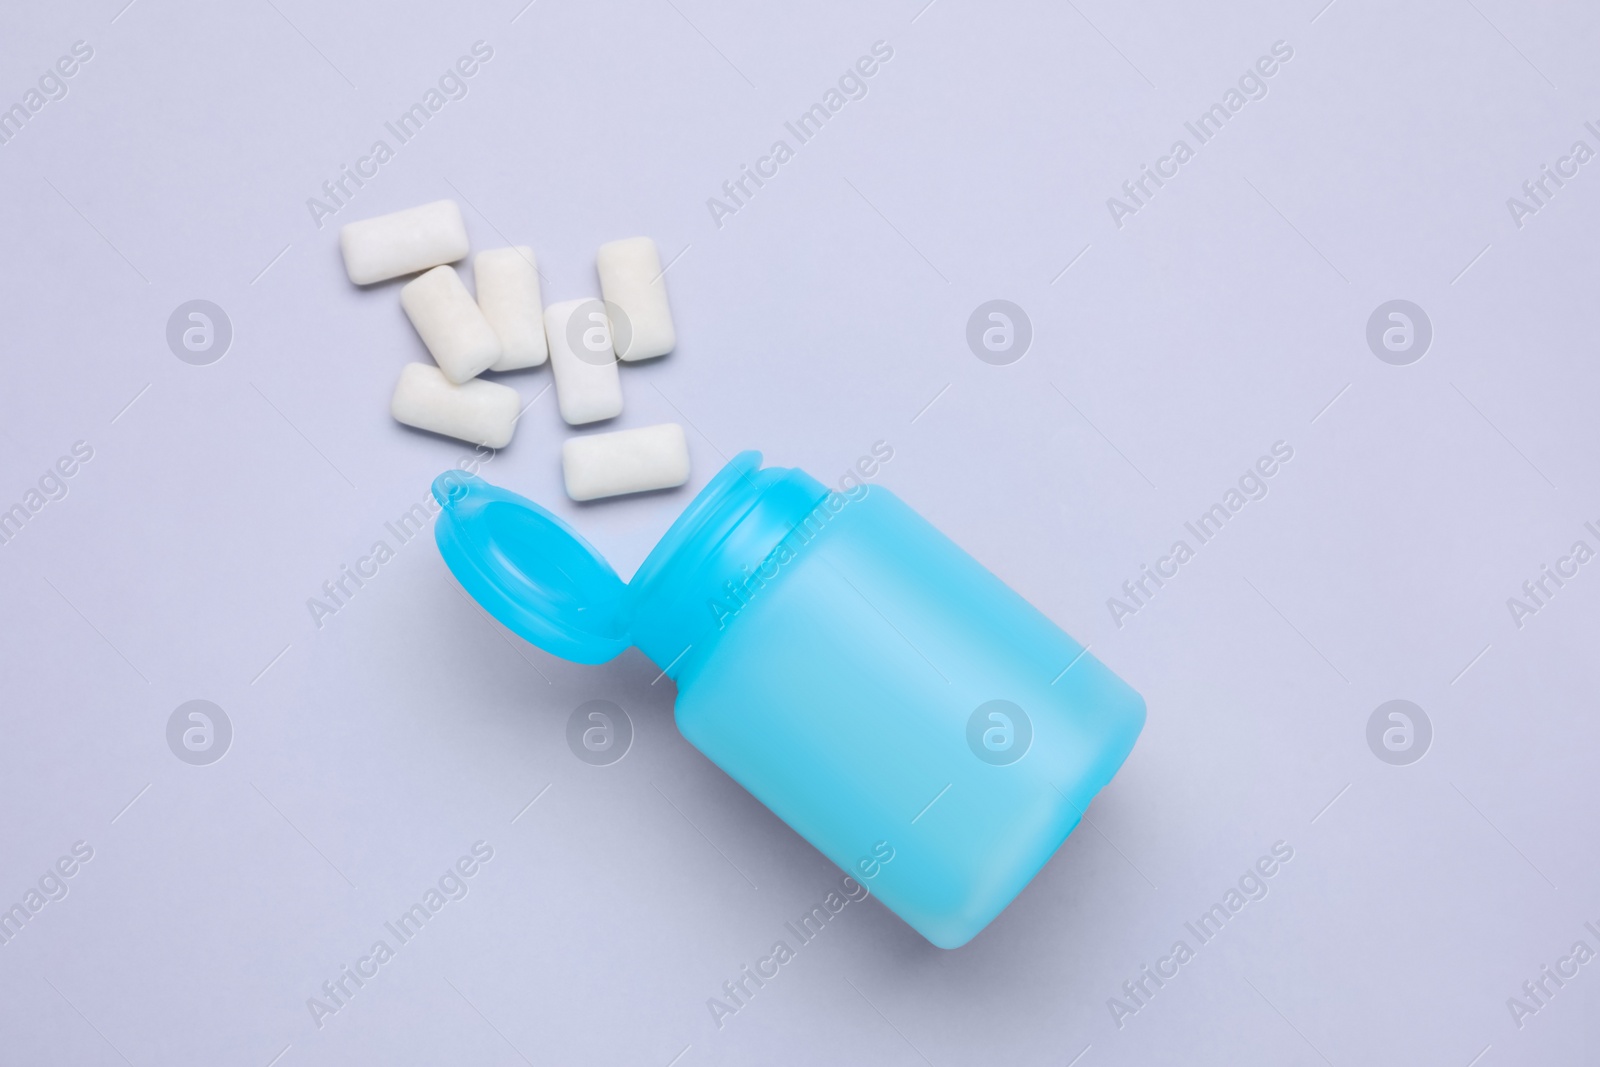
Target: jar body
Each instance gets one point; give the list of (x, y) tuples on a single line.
[(887, 696)]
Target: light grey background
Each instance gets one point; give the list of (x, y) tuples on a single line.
[(829, 313)]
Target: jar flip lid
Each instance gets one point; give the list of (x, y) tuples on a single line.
[(530, 570)]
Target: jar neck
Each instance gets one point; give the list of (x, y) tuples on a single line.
[(726, 548)]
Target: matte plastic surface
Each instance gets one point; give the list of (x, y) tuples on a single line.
[(849, 665)]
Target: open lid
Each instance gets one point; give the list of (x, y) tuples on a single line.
[(530, 570)]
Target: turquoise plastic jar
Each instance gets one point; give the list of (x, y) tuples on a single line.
[(899, 706)]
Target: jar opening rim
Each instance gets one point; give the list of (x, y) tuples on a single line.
[(736, 479)]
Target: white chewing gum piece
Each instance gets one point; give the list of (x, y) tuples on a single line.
[(628, 461), (588, 387), (460, 339), (508, 292), (631, 279), (405, 242), (479, 412)]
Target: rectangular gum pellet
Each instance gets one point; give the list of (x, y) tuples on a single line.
[(508, 292), (628, 461), (631, 279), (403, 242), (451, 324), (478, 412), (588, 387)]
